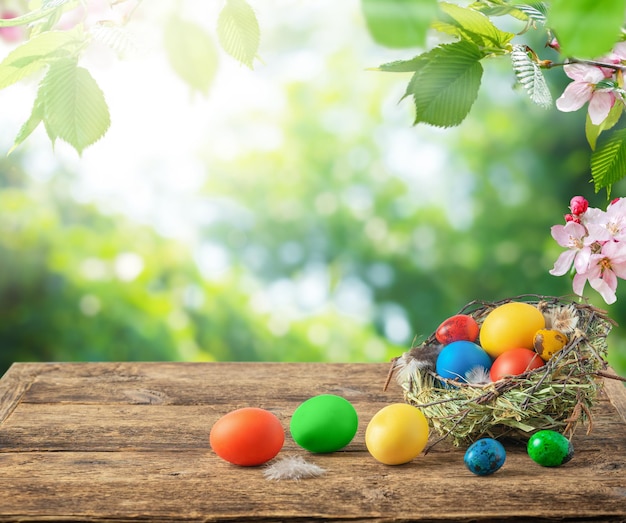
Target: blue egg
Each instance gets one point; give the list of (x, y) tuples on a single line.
[(459, 357), (485, 456)]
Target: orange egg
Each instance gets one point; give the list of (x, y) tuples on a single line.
[(249, 436), (510, 326)]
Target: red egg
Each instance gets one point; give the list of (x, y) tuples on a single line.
[(247, 437), (514, 362), (460, 327)]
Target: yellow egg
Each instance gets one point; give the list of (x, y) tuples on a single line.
[(510, 326), (396, 434), (547, 342)]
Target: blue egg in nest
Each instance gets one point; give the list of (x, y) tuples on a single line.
[(460, 357)]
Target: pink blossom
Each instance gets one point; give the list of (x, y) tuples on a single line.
[(595, 242), (583, 90), (573, 236), (603, 270), (609, 225)]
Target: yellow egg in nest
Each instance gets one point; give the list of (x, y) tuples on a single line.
[(547, 342), (510, 326)]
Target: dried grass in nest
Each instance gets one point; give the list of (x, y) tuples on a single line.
[(556, 396)]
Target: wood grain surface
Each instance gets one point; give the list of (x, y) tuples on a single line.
[(129, 442)]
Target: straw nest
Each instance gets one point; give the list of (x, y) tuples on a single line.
[(557, 396)]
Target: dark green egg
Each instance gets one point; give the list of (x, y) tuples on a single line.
[(324, 423), (549, 448)]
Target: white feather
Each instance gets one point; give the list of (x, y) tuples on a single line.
[(292, 467), (405, 368), (478, 375)]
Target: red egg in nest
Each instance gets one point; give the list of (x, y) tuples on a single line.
[(460, 327), (514, 362)]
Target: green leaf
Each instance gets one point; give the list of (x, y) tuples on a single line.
[(191, 53), (74, 108), (608, 162), (238, 31), (38, 52), (35, 118), (592, 131), (399, 23), (445, 89), (496, 8), (421, 61), (586, 28), (402, 66), (530, 76), (471, 25), (117, 38), (535, 12)]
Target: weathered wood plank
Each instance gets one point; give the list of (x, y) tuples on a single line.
[(616, 391), (129, 442), (196, 485), (202, 384), (15, 382)]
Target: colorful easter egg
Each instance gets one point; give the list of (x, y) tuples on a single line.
[(460, 327), (460, 357), (547, 342), (324, 423), (510, 326), (485, 456), (549, 448), (247, 437), (396, 434)]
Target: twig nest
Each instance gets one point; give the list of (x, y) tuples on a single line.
[(555, 396)]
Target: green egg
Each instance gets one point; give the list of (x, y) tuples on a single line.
[(324, 423), (549, 448)]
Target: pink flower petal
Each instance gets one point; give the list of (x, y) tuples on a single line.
[(600, 105), (579, 284), (583, 257), (563, 263), (605, 289), (584, 73), (574, 97), (620, 270), (565, 235)]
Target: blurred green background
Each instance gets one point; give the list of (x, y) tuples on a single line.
[(293, 215)]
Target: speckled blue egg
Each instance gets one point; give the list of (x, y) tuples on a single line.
[(459, 357), (485, 456), (549, 448)]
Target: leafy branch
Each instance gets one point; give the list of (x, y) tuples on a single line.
[(69, 103), (446, 79), (444, 84)]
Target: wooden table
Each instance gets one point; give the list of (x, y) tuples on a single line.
[(129, 442)]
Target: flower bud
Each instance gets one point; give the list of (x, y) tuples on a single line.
[(554, 44), (578, 205), (572, 218), (11, 34)]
